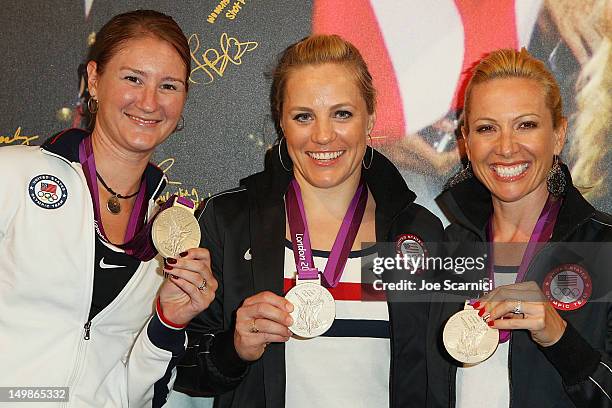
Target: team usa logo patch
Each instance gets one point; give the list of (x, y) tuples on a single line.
[(410, 245), (47, 191), (568, 287), (413, 247)]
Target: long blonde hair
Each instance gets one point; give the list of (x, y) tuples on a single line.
[(591, 146)]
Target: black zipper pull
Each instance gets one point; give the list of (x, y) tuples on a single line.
[(87, 330)]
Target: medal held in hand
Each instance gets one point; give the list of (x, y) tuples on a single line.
[(175, 229), (468, 338), (314, 306)]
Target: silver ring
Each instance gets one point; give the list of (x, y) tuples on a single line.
[(203, 285), (518, 309), (254, 328), (486, 317)]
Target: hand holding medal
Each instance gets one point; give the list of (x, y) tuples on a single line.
[(191, 285), (263, 318), (522, 306)]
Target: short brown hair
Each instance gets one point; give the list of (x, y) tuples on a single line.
[(510, 63), (315, 50), (135, 24)]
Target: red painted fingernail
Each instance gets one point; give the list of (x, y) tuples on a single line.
[(169, 268), (183, 254), (491, 323), (481, 312), (476, 305), (171, 260)]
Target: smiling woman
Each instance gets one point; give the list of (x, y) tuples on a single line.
[(140, 96), (512, 138), (85, 300), (548, 253), (324, 123), (322, 194)]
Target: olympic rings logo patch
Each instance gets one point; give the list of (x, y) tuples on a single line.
[(47, 191), (568, 287), (410, 245)]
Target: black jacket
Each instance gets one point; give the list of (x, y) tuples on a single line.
[(252, 218), (577, 370)]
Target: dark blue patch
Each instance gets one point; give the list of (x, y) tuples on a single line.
[(47, 191)]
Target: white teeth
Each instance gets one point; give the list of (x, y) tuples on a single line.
[(143, 121), (325, 155), (511, 171)]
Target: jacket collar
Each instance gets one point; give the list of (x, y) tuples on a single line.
[(469, 205), (66, 145)]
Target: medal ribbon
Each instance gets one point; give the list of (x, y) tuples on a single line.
[(302, 250), (137, 240), (541, 233)]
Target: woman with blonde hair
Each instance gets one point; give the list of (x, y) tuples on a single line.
[(548, 254), (323, 192)]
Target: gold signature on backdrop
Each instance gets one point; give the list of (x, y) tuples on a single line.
[(217, 11), (176, 187), (230, 14), (212, 63), (17, 138)]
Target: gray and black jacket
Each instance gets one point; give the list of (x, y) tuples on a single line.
[(244, 229), (577, 370)]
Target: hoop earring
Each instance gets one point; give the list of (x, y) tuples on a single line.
[(464, 174), (555, 182), (280, 156), (92, 105), (181, 125), (371, 156)]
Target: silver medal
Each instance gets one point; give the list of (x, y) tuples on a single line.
[(314, 309), (468, 338)]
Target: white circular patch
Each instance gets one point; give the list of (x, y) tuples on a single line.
[(47, 191)]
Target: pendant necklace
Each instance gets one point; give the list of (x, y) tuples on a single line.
[(112, 204)]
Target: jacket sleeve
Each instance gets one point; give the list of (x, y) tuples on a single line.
[(586, 372), (151, 366), (211, 364)]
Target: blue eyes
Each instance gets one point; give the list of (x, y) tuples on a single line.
[(302, 117)]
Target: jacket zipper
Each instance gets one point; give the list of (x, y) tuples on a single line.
[(391, 358), (87, 328), (510, 374), (79, 359)]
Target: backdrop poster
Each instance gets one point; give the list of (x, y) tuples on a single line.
[(419, 52)]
